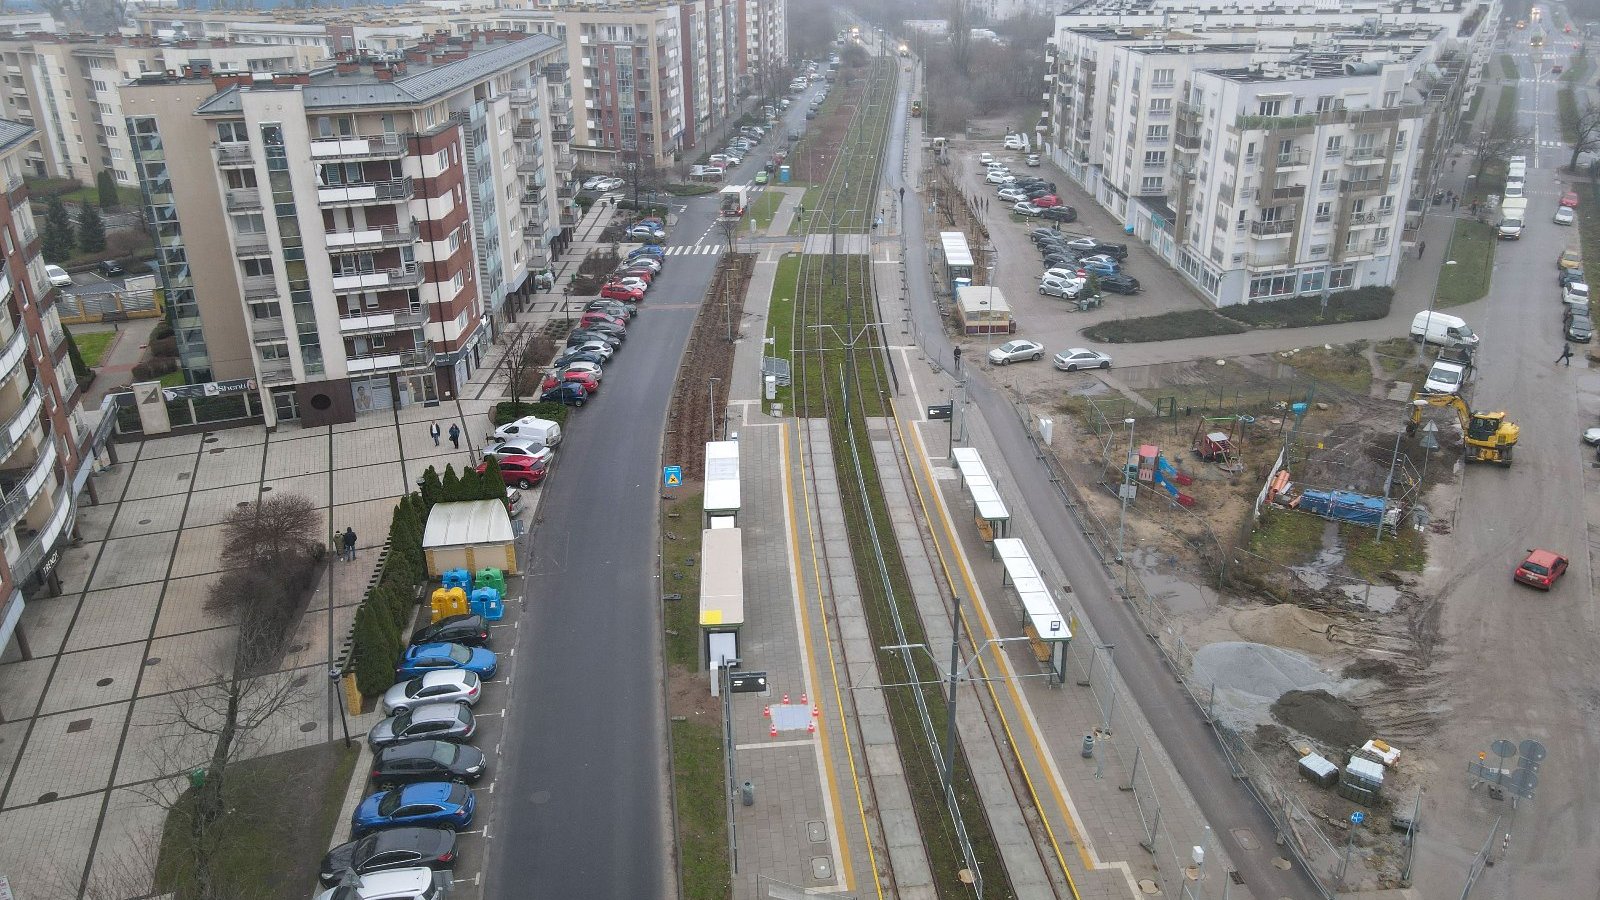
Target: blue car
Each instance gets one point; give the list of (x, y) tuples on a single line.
[(653, 251), (438, 804), (424, 658), (568, 393), (1100, 266)]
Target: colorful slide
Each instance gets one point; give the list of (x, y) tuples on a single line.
[(1168, 479)]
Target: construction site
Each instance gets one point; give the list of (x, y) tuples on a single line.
[(1273, 529)]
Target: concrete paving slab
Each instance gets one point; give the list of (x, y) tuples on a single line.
[(183, 606), (76, 562), (68, 754), (357, 449), (199, 550), (312, 486), (211, 507), (126, 561), (133, 824), (172, 445), (65, 827), (187, 660), (160, 476), (94, 677), (95, 521), (22, 683), (115, 616), (369, 483), (226, 466), (45, 621), (228, 438), (370, 519), (149, 516), (291, 456)]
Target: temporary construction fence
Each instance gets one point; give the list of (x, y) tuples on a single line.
[(1298, 828)]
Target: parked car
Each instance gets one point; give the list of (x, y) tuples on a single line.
[(568, 394), (611, 184), (1564, 215), (1016, 142), (594, 183), (600, 350), (618, 308), (584, 379), (999, 178), (1580, 329), (1541, 569), (1013, 351), (584, 336), (581, 355), (1118, 283), (440, 686), (1565, 277), (606, 330), (1570, 259), (515, 446), (1037, 192), (1075, 358), (429, 760), (1086, 244), (1053, 286), (422, 658), (110, 269), (430, 721), (440, 803), (523, 472), (618, 292), (1011, 195), (646, 233), (1068, 273), (1046, 200), (57, 275), (416, 883), (1032, 160), (1100, 265), (985, 158), (1569, 198), (594, 369), (1026, 209), (469, 629), (384, 851), (1061, 214), (596, 317), (1117, 252)]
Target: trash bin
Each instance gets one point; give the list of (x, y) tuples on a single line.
[(747, 794)]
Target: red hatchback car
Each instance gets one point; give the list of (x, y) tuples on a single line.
[(595, 315), (1541, 569), (589, 382), (1047, 201), (1570, 198), (520, 471), (618, 292)]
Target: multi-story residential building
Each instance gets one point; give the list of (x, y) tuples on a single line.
[(45, 440), (382, 216), (66, 86), (1260, 160)]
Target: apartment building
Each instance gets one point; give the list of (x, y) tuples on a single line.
[(45, 440), (66, 87), (1261, 161), (380, 217)]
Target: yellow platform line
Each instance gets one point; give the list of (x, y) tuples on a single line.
[(833, 670)]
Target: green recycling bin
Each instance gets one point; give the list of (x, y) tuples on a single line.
[(492, 577)]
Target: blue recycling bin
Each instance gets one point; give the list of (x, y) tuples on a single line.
[(783, 174), (487, 602), (458, 578)]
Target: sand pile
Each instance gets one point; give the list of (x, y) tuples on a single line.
[(1284, 625)]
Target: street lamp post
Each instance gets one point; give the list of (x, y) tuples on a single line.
[(1433, 299), (1124, 491)]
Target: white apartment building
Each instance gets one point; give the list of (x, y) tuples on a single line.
[(1260, 162)]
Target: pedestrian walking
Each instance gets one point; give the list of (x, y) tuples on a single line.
[(1566, 355), (349, 544), (455, 436), (1422, 246), (1453, 201), (433, 432), (902, 194)]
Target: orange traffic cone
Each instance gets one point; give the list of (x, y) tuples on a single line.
[(766, 711), (774, 731), (811, 726), (785, 699), (803, 701)]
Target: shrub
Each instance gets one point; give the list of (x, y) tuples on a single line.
[(163, 329), (164, 347), (451, 482), (373, 650), (152, 369), (690, 190), (433, 487), (1359, 305), (507, 411), (646, 208), (1165, 327)]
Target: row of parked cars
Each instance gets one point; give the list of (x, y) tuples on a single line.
[(404, 834), (1029, 195), (1069, 261)]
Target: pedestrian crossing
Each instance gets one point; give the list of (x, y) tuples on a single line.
[(1551, 144), (694, 250)]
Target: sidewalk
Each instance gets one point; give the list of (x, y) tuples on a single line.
[(115, 370)]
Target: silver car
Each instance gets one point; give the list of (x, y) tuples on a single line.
[(1012, 351), (430, 721), (441, 686), (517, 447), (1075, 358)]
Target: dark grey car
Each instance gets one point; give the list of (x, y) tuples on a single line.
[(1580, 329), (394, 848), (431, 721)]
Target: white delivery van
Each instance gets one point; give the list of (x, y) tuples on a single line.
[(1443, 329), (1514, 188), (1517, 167), (1513, 211), (1444, 378), (532, 429)]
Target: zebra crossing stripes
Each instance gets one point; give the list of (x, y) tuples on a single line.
[(693, 249)]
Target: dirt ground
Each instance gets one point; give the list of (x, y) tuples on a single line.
[(709, 355)]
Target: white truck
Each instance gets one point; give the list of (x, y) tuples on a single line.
[(1513, 212), (734, 197)]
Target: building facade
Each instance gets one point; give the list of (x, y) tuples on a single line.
[(46, 441), (383, 215), (1262, 160)]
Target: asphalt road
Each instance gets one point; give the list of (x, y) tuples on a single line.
[(1173, 718), (1520, 664), (581, 798)]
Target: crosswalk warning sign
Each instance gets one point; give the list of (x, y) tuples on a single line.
[(672, 476)]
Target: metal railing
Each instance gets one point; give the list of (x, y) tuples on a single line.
[(260, 287), (368, 146), (379, 280), (1294, 158), (371, 236), (383, 320), (34, 553), (267, 328), (25, 485), (390, 191), (233, 154), (1292, 192), (1271, 229), (243, 198), (251, 243), (275, 371), (1353, 186), (383, 362), (20, 423)]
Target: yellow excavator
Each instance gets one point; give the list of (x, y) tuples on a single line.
[(1490, 438)]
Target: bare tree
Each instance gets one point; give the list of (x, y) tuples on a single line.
[(1583, 124), (1497, 143), (730, 228), (517, 363), (268, 532)]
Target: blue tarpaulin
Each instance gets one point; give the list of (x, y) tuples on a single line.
[(1344, 506)]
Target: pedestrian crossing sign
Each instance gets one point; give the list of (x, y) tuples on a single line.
[(672, 476)]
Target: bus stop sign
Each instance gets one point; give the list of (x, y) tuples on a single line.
[(672, 476)]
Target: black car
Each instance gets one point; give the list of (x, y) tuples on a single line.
[(1570, 276), (467, 629), (1043, 234), (110, 269), (1059, 261), (394, 848), (1061, 213), (1118, 283), (1115, 251), (567, 359), (579, 336), (1580, 329), (428, 760), (600, 326), (567, 394), (1036, 193)]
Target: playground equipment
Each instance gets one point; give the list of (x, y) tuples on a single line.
[(1213, 445), (1155, 469)]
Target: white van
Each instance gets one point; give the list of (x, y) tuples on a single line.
[(1444, 378), (1443, 329), (529, 428), (1517, 167)]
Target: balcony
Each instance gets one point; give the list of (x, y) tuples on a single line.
[(520, 96), (11, 355), (1184, 141), (267, 329), (15, 184), (34, 551), (1369, 219), (1292, 192), (525, 131), (383, 320), (561, 135), (243, 199), (275, 371), (533, 198), (370, 238), (22, 486), (1363, 186), (388, 362), (18, 426), (530, 165), (1271, 229), (233, 155), (260, 287), (1269, 260), (387, 279), (371, 146), (1294, 159), (253, 244), (1365, 156), (1276, 123), (397, 190)]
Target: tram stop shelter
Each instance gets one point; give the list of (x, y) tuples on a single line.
[(1047, 629), (993, 518), (721, 595)]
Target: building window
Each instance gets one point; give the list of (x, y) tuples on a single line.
[(1391, 98), (1335, 145), (256, 265), (1161, 78), (1341, 277), (1269, 108), (1156, 133), (1324, 211), (1153, 184), (1272, 286), (1324, 104), (1311, 282), (1160, 105), (274, 351), (1155, 159)]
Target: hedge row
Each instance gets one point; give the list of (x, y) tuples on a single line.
[(508, 411), (1358, 305), (1170, 326)]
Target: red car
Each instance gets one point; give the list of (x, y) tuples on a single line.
[(1541, 569), (589, 382), (520, 471), (1570, 198), (595, 315), (1047, 201), (618, 292)]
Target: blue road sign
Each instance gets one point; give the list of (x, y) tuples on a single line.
[(672, 476)]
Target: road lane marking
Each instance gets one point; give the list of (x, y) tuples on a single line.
[(775, 744)]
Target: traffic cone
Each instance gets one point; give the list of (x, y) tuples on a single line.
[(803, 701), (816, 712), (785, 699), (811, 726), (774, 730), (766, 711)]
